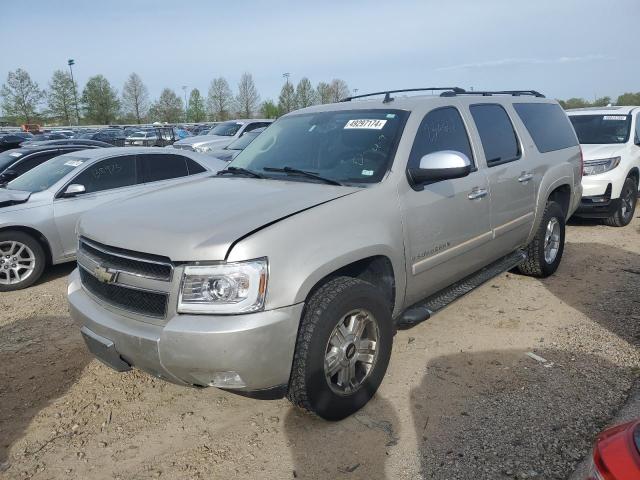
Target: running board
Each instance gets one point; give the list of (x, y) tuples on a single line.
[(424, 309)]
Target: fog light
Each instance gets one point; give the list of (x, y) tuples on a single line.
[(227, 380)]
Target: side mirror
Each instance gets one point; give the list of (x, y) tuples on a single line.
[(443, 165), (73, 190)]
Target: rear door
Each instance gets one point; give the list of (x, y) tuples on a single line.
[(511, 177), (447, 223), (104, 181)]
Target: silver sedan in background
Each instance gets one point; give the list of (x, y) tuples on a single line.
[(39, 210)]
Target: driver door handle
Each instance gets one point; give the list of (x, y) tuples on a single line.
[(477, 193), (525, 177)]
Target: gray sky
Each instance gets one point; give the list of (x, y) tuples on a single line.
[(563, 48)]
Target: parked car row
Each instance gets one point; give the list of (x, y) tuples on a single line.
[(221, 135)]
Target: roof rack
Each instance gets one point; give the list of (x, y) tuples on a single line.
[(515, 93), (388, 98)]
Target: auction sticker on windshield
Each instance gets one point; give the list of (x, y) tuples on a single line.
[(366, 123), (615, 117)]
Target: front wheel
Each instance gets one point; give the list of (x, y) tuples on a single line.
[(343, 348), (545, 250), (628, 199)]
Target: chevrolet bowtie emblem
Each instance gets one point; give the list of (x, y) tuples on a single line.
[(104, 274)]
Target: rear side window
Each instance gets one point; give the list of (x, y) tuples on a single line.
[(158, 167), (194, 167), (548, 125), (498, 137), (441, 129)]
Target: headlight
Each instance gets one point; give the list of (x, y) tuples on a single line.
[(594, 167), (202, 148), (227, 288)]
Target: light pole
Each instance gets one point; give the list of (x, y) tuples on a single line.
[(184, 89), (72, 62), (286, 76)]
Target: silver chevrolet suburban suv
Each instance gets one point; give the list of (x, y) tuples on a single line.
[(289, 272)]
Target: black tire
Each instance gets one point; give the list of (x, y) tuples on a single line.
[(308, 387), (623, 215), (536, 265), (39, 255)]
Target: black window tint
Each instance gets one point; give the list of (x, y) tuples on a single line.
[(162, 166), (194, 167), (498, 137), (441, 129), (109, 173), (548, 125), (33, 161)]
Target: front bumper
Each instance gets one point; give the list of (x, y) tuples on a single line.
[(192, 349), (598, 206)]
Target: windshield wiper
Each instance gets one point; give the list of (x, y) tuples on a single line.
[(295, 171), (240, 171)]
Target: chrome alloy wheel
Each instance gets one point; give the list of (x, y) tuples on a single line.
[(552, 240), (351, 352), (17, 262)]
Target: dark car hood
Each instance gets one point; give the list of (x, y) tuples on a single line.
[(200, 220), (12, 197)]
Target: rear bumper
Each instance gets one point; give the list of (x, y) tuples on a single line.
[(192, 350)]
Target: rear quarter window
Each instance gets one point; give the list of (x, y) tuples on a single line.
[(548, 125)]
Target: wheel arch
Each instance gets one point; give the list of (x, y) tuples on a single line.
[(37, 235), (635, 173)]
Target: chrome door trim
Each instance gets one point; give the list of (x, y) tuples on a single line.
[(441, 257), (512, 224)]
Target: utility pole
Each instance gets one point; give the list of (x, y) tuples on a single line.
[(355, 91), (72, 62), (184, 89), (286, 75)]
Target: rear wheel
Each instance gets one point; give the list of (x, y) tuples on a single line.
[(22, 260), (343, 348), (545, 250), (628, 199)]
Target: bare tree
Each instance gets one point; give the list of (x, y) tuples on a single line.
[(305, 95), (287, 99), (60, 97), (21, 96), (339, 90), (323, 92), (135, 97), (219, 100), (248, 98)]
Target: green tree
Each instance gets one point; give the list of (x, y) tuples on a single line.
[(574, 103), (629, 98), (21, 96), (60, 98), (248, 98), (323, 92), (601, 102), (305, 95), (100, 100), (287, 99), (135, 98), (219, 100), (269, 109), (168, 108), (196, 111)]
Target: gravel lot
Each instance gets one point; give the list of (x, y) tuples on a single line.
[(461, 400)]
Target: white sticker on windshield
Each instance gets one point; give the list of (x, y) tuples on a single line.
[(73, 163), (367, 173), (15, 154), (615, 117), (366, 123)]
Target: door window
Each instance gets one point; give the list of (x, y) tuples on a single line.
[(110, 173), (162, 166), (441, 129), (497, 134)]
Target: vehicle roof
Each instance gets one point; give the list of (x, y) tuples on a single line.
[(622, 110), (39, 148), (411, 102), (107, 152), (248, 120)]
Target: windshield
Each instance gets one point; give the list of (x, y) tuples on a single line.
[(46, 174), (243, 141), (601, 129), (226, 129), (351, 146)]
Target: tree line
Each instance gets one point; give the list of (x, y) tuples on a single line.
[(623, 100), (99, 102)]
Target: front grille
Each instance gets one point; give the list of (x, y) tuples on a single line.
[(152, 304), (157, 268)]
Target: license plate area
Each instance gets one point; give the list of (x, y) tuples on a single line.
[(104, 350)]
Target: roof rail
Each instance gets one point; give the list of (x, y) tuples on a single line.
[(515, 93), (388, 98)]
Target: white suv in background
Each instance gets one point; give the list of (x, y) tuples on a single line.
[(610, 141)]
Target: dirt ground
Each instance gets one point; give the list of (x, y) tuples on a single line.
[(461, 399)]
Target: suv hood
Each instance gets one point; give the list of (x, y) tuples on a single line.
[(594, 152), (200, 220), (202, 139), (13, 197)]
